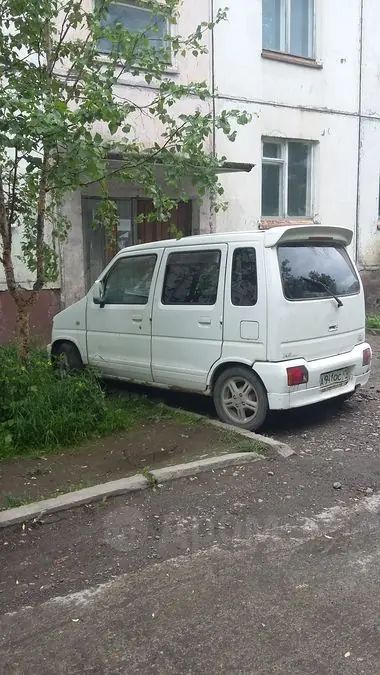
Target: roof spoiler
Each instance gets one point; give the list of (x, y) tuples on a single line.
[(308, 233)]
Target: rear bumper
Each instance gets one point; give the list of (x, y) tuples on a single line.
[(283, 397)]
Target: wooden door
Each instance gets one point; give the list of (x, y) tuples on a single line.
[(156, 230)]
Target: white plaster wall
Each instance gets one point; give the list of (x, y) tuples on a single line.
[(334, 171), (371, 59), (241, 72), (369, 235)]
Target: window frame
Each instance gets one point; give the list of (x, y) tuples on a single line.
[(119, 260), (189, 252), (283, 162), (285, 32), (139, 4)]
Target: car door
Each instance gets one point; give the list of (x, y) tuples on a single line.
[(188, 315), (119, 328)]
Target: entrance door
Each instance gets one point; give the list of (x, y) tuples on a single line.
[(179, 222), (188, 315), (119, 329), (99, 248)]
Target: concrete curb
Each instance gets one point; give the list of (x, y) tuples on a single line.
[(123, 486), (281, 449)]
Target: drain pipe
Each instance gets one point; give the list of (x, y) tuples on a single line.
[(359, 158), (212, 17)]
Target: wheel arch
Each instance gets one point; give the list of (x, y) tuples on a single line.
[(64, 340), (221, 367)]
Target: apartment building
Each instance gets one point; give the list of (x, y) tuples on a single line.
[(308, 71)]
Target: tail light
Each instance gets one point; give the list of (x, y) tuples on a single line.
[(297, 375), (367, 356)]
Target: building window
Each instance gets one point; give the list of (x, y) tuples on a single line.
[(286, 178), (288, 26), (136, 19)]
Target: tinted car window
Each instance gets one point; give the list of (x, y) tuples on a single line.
[(191, 278), (129, 281), (244, 277), (307, 268)]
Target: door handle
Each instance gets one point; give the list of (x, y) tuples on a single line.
[(204, 321), (137, 318)]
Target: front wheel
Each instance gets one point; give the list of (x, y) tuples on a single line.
[(240, 398), (66, 359)]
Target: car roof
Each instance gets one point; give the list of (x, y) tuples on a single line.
[(271, 237)]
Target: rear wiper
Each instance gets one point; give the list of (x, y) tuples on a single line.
[(320, 283)]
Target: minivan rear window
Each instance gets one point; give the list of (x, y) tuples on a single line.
[(311, 271)]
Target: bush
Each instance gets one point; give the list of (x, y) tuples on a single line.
[(38, 410)]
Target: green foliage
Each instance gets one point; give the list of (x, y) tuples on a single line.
[(373, 321), (38, 410), (41, 412), (58, 93)]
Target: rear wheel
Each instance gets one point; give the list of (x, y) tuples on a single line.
[(240, 398), (66, 359)]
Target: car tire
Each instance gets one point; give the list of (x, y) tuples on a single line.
[(67, 360), (240, 398)]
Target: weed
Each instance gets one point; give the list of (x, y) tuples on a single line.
[(373, 321), (153, 482)]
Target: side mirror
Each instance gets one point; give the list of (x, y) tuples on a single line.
[(98, 293)]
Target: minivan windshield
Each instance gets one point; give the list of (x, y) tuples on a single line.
[(311, 271)]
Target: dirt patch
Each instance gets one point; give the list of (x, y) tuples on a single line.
[(153, 445)]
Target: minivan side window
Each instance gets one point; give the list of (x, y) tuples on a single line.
[(244, 277), (191, 278), (129, 280)]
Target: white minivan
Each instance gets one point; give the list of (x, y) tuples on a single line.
[(260, 320)]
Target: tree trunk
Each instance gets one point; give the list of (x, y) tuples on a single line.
[(23, 328)]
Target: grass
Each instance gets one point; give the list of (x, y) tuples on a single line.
[(39, 412), (373, 321), (12, 502), (238, 443)]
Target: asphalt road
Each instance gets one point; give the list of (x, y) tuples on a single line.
[(262, 569)]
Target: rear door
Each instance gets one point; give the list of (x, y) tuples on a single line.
[(306, 321), (188, 315)]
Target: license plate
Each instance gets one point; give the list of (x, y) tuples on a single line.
[(336, 378)]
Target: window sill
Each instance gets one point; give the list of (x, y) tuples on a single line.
[(290, 58), (168, 68), (268, 223)]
